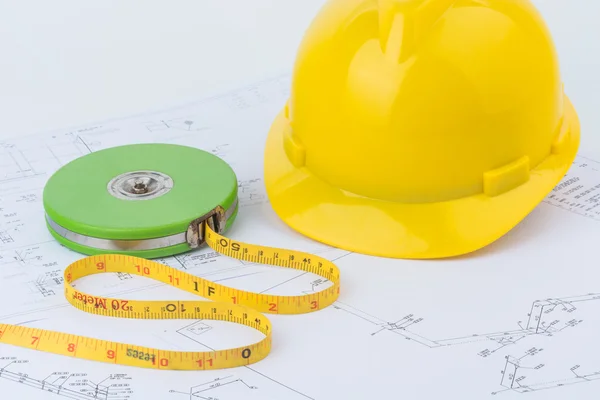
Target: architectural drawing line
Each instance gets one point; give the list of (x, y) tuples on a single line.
[(539, 323), (513, 375), (86, 389), (84, 143), (279, 383), (254, 370)]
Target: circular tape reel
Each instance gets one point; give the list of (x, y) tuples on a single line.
[(146, 200)]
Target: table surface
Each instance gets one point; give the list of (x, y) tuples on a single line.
[(66, 62)]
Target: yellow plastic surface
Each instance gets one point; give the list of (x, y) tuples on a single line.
[(420, 129)]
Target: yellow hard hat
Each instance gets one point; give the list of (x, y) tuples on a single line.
[(420, 129)]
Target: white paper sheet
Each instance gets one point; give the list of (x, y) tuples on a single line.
[(517, 320)]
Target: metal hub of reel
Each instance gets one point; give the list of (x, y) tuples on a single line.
[(140, 185)]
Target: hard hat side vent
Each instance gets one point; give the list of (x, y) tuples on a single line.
[(293, 148)]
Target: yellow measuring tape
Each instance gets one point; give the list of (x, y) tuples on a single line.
[(224, 304)]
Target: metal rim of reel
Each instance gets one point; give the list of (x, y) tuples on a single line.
[(194, 234)]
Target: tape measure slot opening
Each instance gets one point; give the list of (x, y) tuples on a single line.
[(215, 218)]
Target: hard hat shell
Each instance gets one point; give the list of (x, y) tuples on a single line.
[(420, 129)]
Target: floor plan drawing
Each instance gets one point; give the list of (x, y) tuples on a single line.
[(184, 124), (546, 318), (576, 193), (230, 387), (49, 283), (14, 164), (517, 371), (70, 385), (5, 237), (208, 390)]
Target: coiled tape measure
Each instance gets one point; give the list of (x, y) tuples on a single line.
[(123, 206)]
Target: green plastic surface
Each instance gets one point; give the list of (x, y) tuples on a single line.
[(76, 196)]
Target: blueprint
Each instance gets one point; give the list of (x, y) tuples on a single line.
[(518, 320)]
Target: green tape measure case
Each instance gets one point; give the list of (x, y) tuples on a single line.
[(141, 200)]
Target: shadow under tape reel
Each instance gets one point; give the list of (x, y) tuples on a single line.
[(142, 200)]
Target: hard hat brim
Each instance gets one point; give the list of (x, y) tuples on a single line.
[(368, 226)]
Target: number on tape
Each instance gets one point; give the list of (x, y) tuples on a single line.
[(224, 304)]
